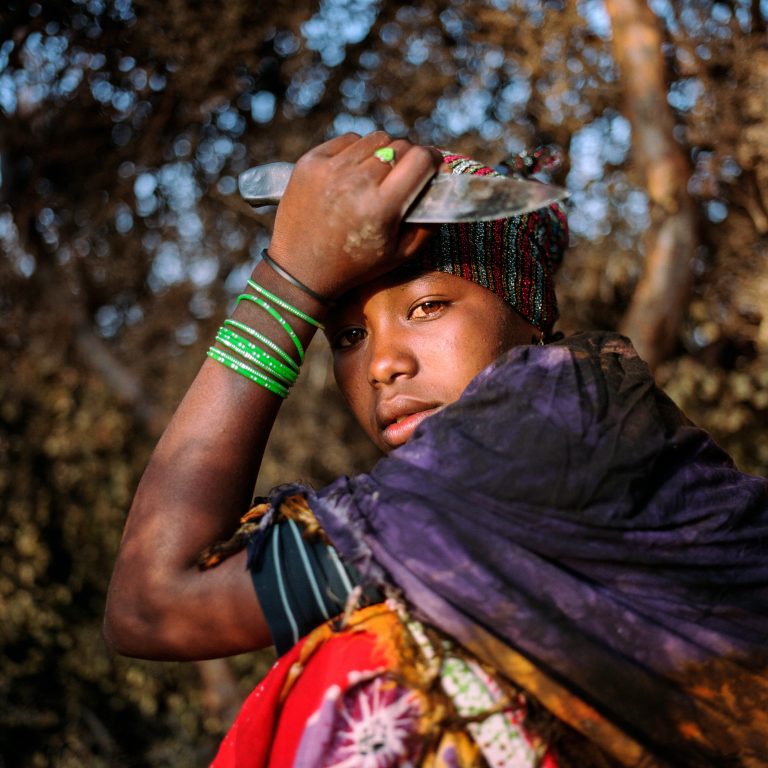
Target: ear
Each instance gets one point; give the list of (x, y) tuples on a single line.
[(522, 331)]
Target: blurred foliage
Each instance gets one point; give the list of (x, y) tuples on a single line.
[(125, 124)]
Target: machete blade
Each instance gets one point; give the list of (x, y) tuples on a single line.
[(447, 199)]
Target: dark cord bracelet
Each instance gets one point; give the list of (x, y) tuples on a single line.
[(291, 279)]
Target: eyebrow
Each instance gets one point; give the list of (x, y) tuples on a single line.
[(405, 275), (399, 278)]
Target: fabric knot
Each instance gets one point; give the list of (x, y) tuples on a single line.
[(546, 157)]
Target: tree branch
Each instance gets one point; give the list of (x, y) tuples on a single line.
[(661, 297)]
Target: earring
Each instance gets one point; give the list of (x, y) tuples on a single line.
[(541, 339)]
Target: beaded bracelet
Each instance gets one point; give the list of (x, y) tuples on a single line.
[(270, 262), (254, 361), (278, 317), (285, 305), (264, 340), (250, 373), (254, 354)]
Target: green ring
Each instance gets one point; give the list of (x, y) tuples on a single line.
[(385, 154)]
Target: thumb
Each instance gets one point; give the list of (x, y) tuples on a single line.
[(413, 238)]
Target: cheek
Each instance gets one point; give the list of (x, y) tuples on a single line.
[(494, 339), (471, 353), (451, 362), (353, 385)]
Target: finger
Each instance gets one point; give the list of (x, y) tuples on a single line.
[(333, 146), (400, 147), (364, 148), (413, 238), (412, 171), (435, 154), (360, 157), (397, 148)]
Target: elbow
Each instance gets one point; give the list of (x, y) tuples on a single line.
[(114, 636), (141, 615), (152, 619), (127, 628), (123, 637), (136, 624)]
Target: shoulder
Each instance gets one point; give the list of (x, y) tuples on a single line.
[(571, 382), (603, 351)]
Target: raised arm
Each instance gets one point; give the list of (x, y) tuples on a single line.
[(338, 224)]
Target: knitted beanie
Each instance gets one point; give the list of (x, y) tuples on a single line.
[(516, 257)]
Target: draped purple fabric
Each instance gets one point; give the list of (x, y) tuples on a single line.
[(566, 523)]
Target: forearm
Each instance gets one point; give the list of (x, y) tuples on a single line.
[(198, 483), (338, 224)]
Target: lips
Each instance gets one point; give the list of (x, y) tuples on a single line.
[(398, 419)]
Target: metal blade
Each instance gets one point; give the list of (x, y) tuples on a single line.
[(448, 198)]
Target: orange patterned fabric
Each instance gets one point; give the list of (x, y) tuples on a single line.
[(370, 695)]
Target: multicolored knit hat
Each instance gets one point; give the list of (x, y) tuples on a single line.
[(516, 258)]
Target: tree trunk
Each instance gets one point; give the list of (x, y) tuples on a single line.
[(661, 297)]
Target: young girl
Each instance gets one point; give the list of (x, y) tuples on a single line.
[(548, 549)]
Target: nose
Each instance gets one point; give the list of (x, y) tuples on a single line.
[(389, 359)]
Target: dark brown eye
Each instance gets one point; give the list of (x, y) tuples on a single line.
[(427, 309), (347, 338)]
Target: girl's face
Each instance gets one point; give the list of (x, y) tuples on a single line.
[(404, 347)]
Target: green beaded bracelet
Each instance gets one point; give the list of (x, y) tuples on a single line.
[(272, 363), (278, 317), (251, 352), (249, 373), (285, 305), (264, 340), (252, 359)]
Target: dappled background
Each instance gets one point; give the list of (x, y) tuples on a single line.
[(124, 126)]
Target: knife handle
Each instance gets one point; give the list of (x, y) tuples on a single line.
[(265, 184)]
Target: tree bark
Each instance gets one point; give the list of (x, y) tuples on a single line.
[(660, 300)]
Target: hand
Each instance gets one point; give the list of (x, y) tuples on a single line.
[(339, 221)]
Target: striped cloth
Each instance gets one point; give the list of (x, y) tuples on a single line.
[(515, 257), (301, 583)]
